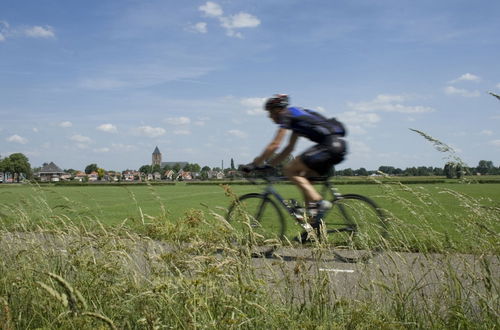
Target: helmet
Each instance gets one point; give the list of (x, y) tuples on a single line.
[(277, 101)]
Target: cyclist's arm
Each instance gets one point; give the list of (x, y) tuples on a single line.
[(287, 151), (271, 147)]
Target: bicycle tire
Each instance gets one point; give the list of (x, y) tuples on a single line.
[(260, 219), (355, 228)]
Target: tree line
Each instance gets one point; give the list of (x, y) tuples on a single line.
[(450, 170), (18, 166)]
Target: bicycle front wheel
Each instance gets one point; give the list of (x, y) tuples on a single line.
[(355, 228), (259, 219)]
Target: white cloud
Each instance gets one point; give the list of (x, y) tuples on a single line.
[(388, 103), (17, 139), (486, 132), (495, 143), (35, 130), (102, 150), (240, 20), (200, 27), (177, 120), (149, 131), (65, 124), (237, 133), (40, 32), (81, 138), (4, 30), (466, 77), (353, 117), (450, 90), (498, 86), (211, 9), (108, 128), (231, 22), (123, 147), (253, 105)]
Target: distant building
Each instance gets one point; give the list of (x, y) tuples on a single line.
[(157, 160), (50, 172)]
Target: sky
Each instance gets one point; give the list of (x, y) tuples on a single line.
[(107, 81)]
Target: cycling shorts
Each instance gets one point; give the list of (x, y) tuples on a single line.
[(321, 157)]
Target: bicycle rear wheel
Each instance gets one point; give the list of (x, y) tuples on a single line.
[(259, 220), (355, 228)]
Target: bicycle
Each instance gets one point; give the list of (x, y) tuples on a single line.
[(355, 227)]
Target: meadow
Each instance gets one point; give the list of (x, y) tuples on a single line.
[(84, 257), (440, 209)]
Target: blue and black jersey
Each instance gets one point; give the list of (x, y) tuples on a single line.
[(309, 124)]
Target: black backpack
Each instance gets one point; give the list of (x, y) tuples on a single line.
[(336, 127)]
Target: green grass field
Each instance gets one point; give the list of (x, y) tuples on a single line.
[(454, 213)]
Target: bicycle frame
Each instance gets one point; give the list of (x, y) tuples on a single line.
[(270, 190)]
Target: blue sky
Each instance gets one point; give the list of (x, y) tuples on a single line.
[(106, 81)]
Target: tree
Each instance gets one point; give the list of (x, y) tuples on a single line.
[(205, 169), (91, 168), (348, 172), (387, 169), (195, 168), (146, 169), (361, 172), (17, 164), (5, 165), (100, 173), (485, 167), (437, 171), (232, 164), (454, 170), (176, 168), (423, 171), (156, 168)]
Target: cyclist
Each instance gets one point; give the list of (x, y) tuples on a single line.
[(317, 160)]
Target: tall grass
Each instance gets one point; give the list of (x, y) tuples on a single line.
[(59, 272), (60, 268)]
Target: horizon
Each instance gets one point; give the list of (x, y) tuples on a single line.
[(105, 82)]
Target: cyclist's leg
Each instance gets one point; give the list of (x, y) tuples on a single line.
[(315, 161), (297, 171)]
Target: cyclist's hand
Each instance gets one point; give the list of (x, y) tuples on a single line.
[(264, 168), (247, 168)]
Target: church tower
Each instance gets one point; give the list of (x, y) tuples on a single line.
[(156, 157)]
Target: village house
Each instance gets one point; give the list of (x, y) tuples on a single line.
[(80, 176), (184, 176), (93, 177), (51, 172), (169, 175), (219, 175)]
